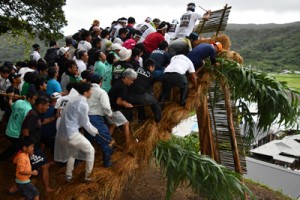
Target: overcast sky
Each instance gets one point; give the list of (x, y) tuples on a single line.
[(81, 13)]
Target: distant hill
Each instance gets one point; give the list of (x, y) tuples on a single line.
[(269, 47)]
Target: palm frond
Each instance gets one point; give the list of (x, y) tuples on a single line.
[(204, 175), (275, 100)]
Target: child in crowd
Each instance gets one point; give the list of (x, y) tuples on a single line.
[(24, 171)]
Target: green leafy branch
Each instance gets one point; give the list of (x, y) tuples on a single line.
[(204, 175)]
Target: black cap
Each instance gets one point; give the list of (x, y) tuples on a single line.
[(94, 78), (192, 4), (193, 36)]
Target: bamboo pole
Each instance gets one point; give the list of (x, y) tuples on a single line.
[(237, 162), (221, 21)]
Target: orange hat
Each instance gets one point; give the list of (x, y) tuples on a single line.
[(219, 45)]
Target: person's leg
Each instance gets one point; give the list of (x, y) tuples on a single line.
[(39, 161), (183, 90), (90, 152), (45, 177), (13, 189), (112, 128), (126, 132), (149, 99), (70, 168), (166, 87), (103, 138)]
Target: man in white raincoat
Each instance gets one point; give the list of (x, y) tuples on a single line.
[(70, 144)]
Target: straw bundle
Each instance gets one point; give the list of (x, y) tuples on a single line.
[(231, 55), (223, 39)]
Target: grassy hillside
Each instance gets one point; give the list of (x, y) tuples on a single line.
[(291, 79), (268, 47)]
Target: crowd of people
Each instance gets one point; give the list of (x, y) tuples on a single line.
[(80, 92)]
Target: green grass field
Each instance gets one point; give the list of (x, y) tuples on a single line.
[(293, 80)]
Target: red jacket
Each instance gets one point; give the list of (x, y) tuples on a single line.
[(152, 41)]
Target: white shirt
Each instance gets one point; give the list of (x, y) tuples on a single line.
[(117, 28), (146, 28), (173, 30), (74, 116), (187, 23), (84, 45), (180, 64), (35, 56), (81, 65), (99, 102), (167, 38), (118, 40), (23, 71)]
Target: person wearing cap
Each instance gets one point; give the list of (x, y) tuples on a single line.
[(130, 43), (121, 37), (202, 52), (35, 55), (64, 54), (117, 97), (120, 66), (189, 19), (85, 42), (51, 55), (146, 28), (154, 39), (175, 76), (130, 27), (53, 85), (99, 107), (183, 45)]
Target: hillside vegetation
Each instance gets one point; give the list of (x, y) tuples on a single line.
[(267, 47)]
